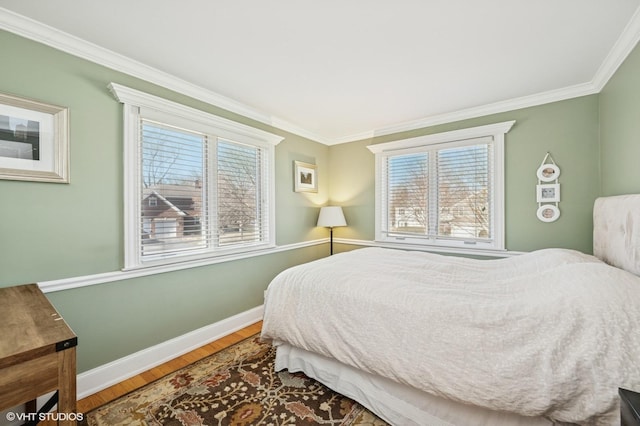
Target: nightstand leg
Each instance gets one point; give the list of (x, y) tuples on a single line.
[(67, 386)]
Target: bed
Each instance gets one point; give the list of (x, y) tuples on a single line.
[(541, 338)]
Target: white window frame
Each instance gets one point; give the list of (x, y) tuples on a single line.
[(139, 105), (495, 133)]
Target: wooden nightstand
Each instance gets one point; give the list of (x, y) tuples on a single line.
[(37, 352), (629, 407)]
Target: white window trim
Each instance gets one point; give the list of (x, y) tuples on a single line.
[(495, 131), (136, 101)]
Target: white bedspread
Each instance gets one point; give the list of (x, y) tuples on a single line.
[(551, 333)]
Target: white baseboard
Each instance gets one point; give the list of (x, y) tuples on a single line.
[(106, 375)]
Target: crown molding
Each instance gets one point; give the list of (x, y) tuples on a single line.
[(623, 46), (52, 37), (480, 111), (127, 95), (621, 49), (60, 40), (493, 130)]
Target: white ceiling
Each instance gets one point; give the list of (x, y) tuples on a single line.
[(339, 70)]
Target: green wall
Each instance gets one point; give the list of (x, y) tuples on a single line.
[(567, 129), (620, 129), (53, 231), (113, 320)]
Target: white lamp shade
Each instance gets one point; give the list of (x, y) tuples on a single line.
[(331, 216)]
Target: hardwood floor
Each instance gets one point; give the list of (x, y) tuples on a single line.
[(122, 388)]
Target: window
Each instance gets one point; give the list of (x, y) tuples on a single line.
[(196, 185), (444, 190)]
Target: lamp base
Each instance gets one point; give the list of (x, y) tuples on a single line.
[(331, 241)]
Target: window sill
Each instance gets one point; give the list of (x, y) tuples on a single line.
[(430, 248), (200, 258)]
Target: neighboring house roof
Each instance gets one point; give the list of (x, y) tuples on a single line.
[(165, 201), (177, 200)]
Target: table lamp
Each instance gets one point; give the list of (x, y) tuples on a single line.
[(330, 217)]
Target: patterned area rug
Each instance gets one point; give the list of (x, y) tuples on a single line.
[(236, 386)]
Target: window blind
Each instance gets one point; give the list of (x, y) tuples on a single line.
[(174, 188), (242, 217), (440, 193), (408, 193), (199, 192), (198, 188), (464, 192)]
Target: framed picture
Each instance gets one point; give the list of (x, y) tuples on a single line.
[(305, 177), (548, 172), (548, 213), (548, 193), (34, 140)]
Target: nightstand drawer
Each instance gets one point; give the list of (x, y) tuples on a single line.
[(629, 407)]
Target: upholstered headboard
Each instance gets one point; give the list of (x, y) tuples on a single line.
[(616, 231)]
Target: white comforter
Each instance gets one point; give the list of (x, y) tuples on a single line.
[(551, 333)]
